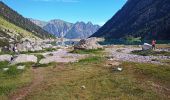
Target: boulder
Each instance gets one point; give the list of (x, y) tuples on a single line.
[(46, 45), (5, 58), (24, 46), (36, 48), (23, 58), (21, 48), (87, 44), (146, 46)]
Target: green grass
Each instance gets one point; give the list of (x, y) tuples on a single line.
[(45, 65), (9, 26), (134, 83), (13, 78), (93, 59), (41, 51), (3, 64), (137, 81), (10, 53), (151, 52), (39, 57), (166, 61), (92, 51), (159, 73)]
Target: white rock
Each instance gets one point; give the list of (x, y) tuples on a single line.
[(83, 87), (119, 69), (5, 57), (111, 59), (5, 69), (23, 58), (21, 67)]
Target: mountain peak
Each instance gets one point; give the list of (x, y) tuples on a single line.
[(79, 29), (89, 22)]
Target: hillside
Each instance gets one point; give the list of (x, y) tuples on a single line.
[(69, 30), (13, 17), (139, 18), (38, 22), (10, 33)]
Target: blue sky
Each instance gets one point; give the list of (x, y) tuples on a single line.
[(96, 11)]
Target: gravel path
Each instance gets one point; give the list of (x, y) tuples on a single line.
[(123, 54)]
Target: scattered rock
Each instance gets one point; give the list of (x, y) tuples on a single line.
[(5, 58), (5, 69), (86, 44), (20, 67), (111, 59), (83, 87), (23, 58), (36, 48), (126, 55), (117, 69), (46, 46), (32, 45)]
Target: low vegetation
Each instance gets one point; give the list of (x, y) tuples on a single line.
[(40, 51), (131, 39), (12, 29), (93, 51), (13, 78), (90, 79), (151, 53)]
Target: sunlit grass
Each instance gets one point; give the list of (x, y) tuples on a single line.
[(65, 81), (13, 78)]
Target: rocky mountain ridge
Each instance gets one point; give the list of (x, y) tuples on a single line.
[(68, 30)]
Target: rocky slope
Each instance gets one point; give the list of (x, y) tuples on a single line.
[(65, 29), (140, 18), (58, 27), (10, 16), (10, 33), (38, 22), (81, 30)]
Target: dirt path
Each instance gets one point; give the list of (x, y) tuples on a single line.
[(23, 92)]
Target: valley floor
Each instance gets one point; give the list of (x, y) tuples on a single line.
[(95, 78)]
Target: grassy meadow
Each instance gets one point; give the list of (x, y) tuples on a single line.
[(91, 78)]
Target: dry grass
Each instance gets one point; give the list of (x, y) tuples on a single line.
[(163, 46)]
